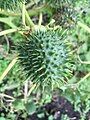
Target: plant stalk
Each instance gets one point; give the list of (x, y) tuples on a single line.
[(8, 68)]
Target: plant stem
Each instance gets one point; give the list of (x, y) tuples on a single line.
[(40, 19), (8, 31), (28, 19), (26, 91), (4, 95), (31, 89), (83, 62), (84, 78), (8, 68), (23, 13)]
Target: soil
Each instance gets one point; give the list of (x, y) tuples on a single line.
[(57, 108)]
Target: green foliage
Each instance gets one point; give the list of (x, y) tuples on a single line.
[(65, 16), (9, 4), (65, 117), (18, 105), (45, 57), (30, 107), (2, 118), (57, 3)]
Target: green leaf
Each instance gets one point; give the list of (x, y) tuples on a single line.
[(50, 117), (88, 56), (30, 107), (41, 115), (9, 4), (2, 118), (19, 105)]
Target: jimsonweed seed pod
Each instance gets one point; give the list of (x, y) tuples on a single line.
[(9, 4), (45, 57), (65, 16), (57, 3)]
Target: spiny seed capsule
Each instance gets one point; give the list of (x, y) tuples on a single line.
[(45, 57), (65, 16), (58, 3), (10, 4)]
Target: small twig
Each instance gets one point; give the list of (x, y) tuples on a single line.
[(84, 78), (40, 19), (31, 89), (76, 85), (26, 91), (9, 100), (8, 96), (23, 13), (83, 62)]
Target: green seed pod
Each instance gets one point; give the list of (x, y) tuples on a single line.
[(45, 57), (65, 16), (9, 4), (57, 3)]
